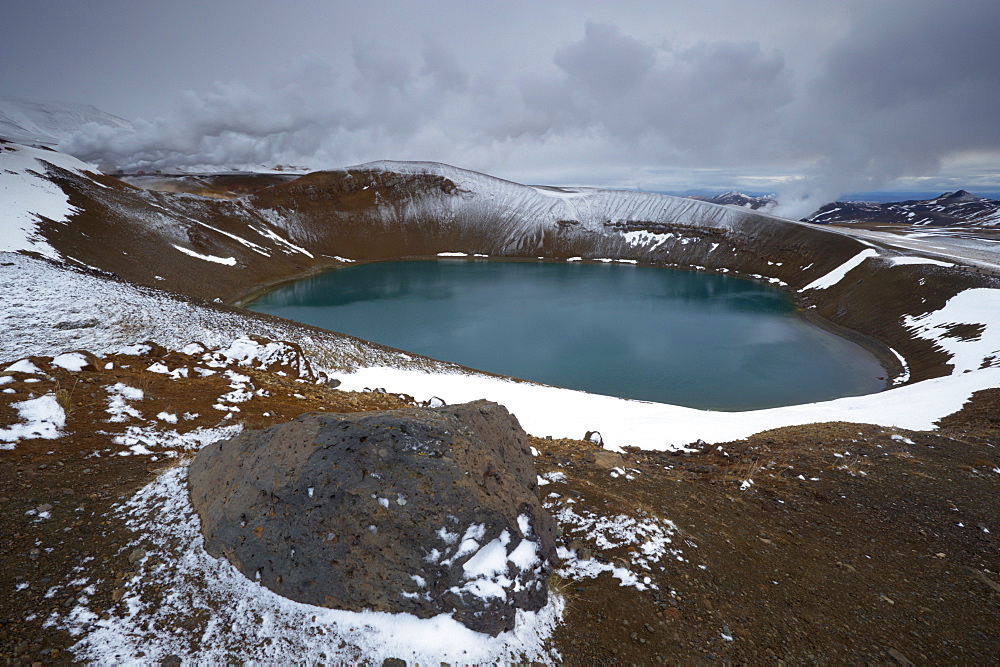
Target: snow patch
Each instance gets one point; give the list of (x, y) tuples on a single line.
[(23, 366), (980, 308), (838, 274), (228, 261), (71, 361), (41, 417)]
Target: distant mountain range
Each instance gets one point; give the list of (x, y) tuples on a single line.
[(952, 209), (733, 198)]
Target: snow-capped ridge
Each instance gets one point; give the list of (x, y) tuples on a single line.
[(960, 208), (49, 123)]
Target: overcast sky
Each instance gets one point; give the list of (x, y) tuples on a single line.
[(813, 99)]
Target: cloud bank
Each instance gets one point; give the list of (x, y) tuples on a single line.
[(910, 88)]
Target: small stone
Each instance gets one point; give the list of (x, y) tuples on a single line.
[(608, 460), (68, 492), (584, 554), (899, 658), (117, 594), (393, 662), (34, 553), (43, 508), (136, 556)]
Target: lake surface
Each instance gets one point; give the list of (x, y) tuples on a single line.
[(691, 339)]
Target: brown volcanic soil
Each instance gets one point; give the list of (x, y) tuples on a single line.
[(890, 554)]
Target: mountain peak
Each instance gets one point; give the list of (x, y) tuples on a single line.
[(959, 196)]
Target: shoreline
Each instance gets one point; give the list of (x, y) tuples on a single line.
[(881, 351)]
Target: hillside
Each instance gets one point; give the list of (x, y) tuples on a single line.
[(860, 529)]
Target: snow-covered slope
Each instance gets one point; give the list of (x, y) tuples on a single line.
[(49, 123), (536, 207), (29, 196)]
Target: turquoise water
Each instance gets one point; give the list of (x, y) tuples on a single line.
[(698, 340)]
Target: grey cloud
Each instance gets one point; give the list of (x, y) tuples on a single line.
[(909, 86), (706, 102), (605, 62), (912, 84), (442, 65), (376, 63)]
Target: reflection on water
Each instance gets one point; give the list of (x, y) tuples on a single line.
[(676, 337)]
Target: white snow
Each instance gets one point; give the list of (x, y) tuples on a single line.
[(71, 361), (228, 261), (902, 260), (264, 231), (118, 396), (979, 306), (23, 366), (838, 274), (560, 412), (648, 542), (904, 376), (28, 196), (41, 417), (248, 352)]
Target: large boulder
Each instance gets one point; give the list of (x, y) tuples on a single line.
[(421, 510)]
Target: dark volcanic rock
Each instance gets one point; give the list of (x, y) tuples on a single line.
[(422, 510)]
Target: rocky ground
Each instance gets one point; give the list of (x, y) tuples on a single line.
[(829, 542)]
